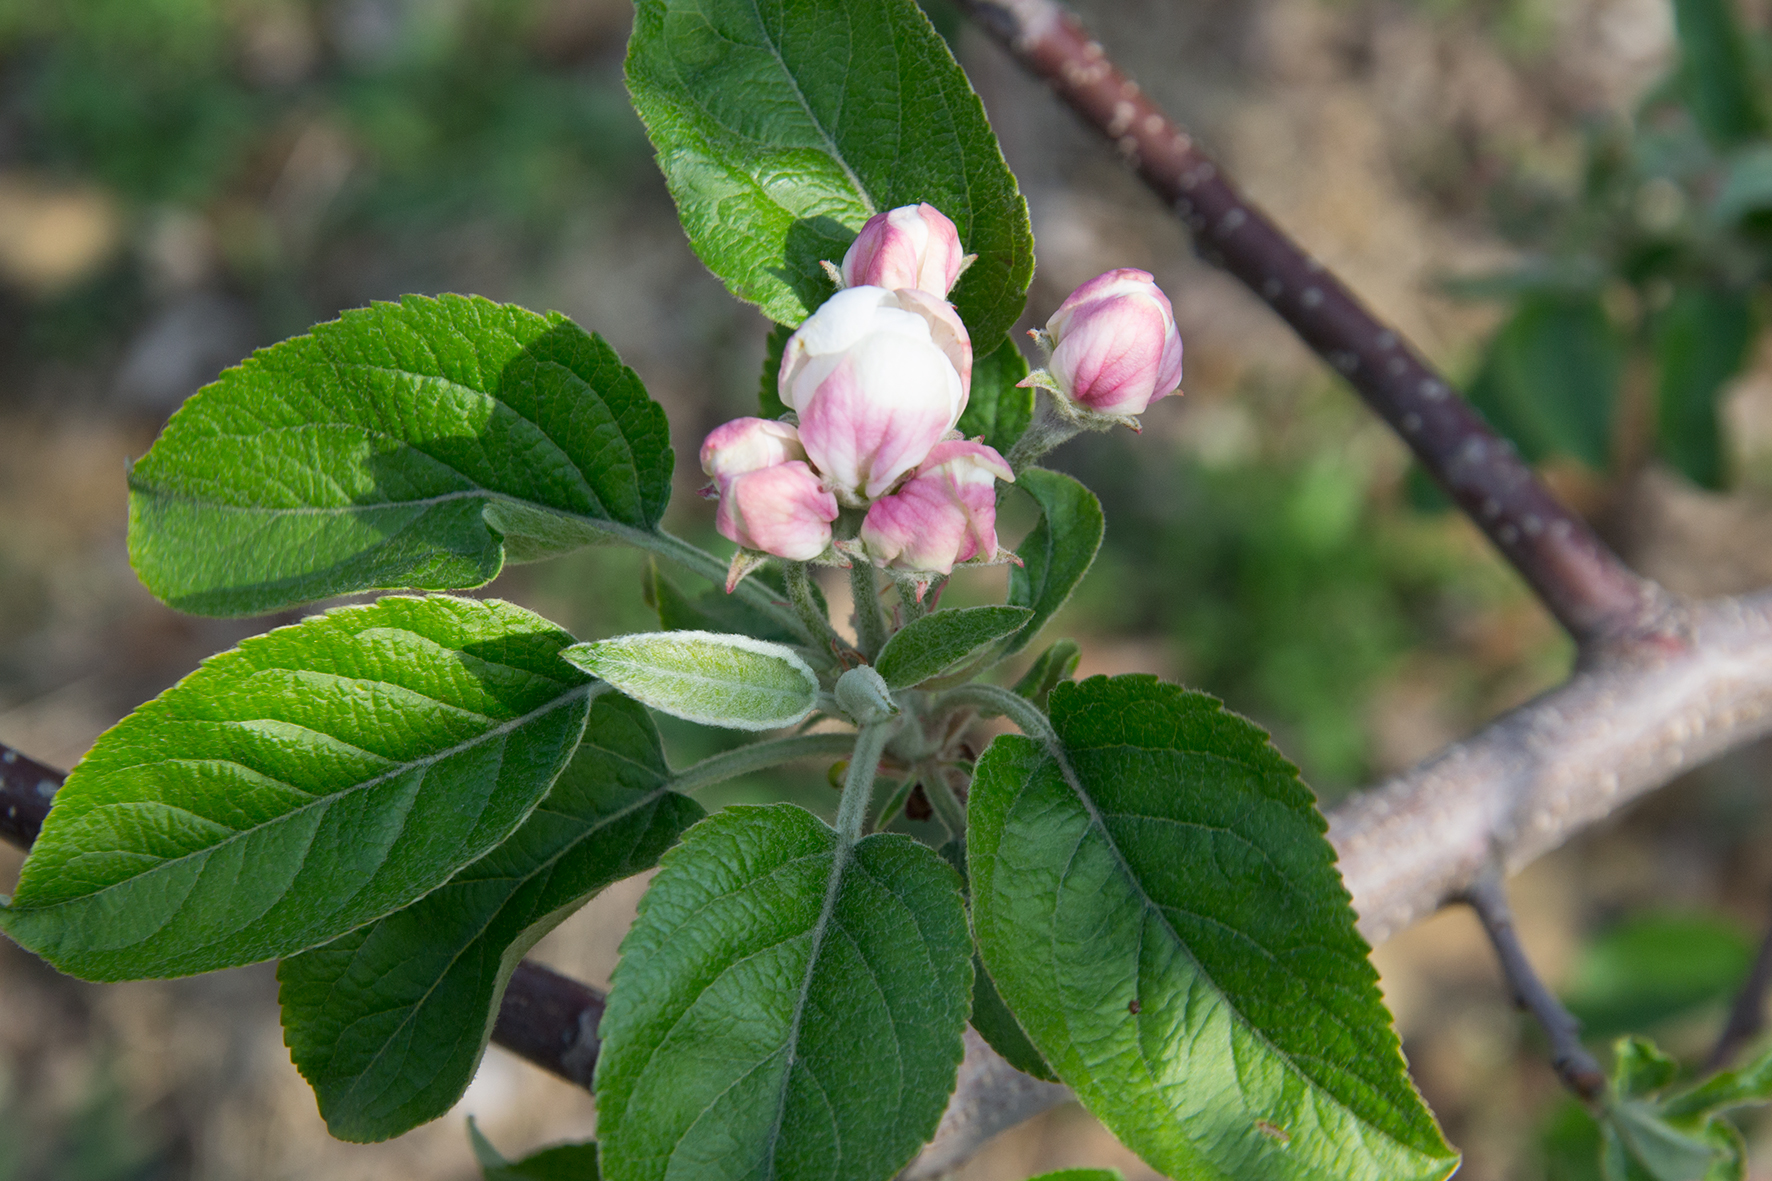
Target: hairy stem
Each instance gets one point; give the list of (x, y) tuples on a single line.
[(757, 594), (799, 580), (858, 785), (1573, 1064), (759, 756), (989, 699), (870, 618), (1583, 583)]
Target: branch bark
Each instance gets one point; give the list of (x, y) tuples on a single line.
[(1583, 583)]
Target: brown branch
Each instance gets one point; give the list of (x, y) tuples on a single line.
[(1583, 583), (545, 1017), (1747, 1016), (1573, 1064)]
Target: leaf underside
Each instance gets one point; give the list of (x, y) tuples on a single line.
[(1177, 944), (298, 786), (415, 444), (782, 125), (388, 1023), (750, 1034), (708, 677)]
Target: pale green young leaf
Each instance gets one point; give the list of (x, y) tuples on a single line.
[(309, 781), (1057, 552), (561, 1162), (779, 1012), (943, 641), (1162, 913), (782, 125), (411, 444), (998, 410), (389, 1022), (717, 680)]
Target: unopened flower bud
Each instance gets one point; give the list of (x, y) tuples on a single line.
[(911, 246), (1114, 346), (748, 445), (945, 513), (877, 378), (783, 510)]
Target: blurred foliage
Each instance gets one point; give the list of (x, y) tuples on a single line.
[(1294, 581), (1656, 966), (286, 129), (1657, 262)]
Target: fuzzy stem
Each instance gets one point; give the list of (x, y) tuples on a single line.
[(799, 582), (759, 756), (870, 620)]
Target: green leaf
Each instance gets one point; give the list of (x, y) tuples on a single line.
[(389, 1022), (1656, 966), (1082, 1175), (1164, 918), (406, 444), (1647, 1137), (997, 408), (1550, 378), (717, 680), (779, 1012), (1747, 185), (713, 610), (782, 125), (1053, 666), (562, 1162), (1057, 552), (943, 641), (769, 403), (1717, 71), (307, 782), (997, 1025), (1701, 340)]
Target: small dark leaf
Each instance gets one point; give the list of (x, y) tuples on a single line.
[(998, 409), (712, 611), (562, 1162), (1717, 70), (1058, 550), (1701, 340), (769, 403), (1550, 378), (944, 641)]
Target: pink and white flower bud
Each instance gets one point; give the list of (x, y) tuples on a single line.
[(783, 510), (1114, 346), (911, 246), (748, 445), (945, 513), (877, 378)]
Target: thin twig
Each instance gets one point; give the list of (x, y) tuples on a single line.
[(1747, 1016), (1583, 583), (1574, 1065)]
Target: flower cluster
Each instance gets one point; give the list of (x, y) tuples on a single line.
[(877, 379)]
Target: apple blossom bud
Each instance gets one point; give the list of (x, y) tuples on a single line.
[(1114, 346), (748, 445), (877, 378), (911, 246), (945, 513), (783, 510)]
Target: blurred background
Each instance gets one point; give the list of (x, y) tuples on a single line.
[(1538, 192)]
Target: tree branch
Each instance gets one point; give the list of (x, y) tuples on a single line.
[(1583, 583), (1574, 1065)]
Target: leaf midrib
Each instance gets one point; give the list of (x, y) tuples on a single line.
[(424, 763), (412, 1008), (1057, 757)]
